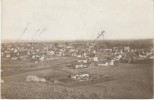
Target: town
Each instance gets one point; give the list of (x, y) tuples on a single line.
[(73, 63), (85, 53)]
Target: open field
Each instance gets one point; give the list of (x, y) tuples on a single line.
[(120, 81)]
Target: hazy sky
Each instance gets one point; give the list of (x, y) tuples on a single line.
[(77, 19)]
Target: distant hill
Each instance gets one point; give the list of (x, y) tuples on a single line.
[(116, 42)]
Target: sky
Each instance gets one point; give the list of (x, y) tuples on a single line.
[(76, 19)]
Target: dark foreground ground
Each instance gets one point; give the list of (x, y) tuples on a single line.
[(120, 81)]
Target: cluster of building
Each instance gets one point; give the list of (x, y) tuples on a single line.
[(87, 77), (85, 53), (81, 77)]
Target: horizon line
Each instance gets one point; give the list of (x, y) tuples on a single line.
[(15, 40)]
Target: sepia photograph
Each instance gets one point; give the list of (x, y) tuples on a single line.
[(77, 49)]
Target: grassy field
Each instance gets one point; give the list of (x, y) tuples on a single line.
[(120, 81)]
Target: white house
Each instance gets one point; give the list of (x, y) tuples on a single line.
[(95, 58)]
